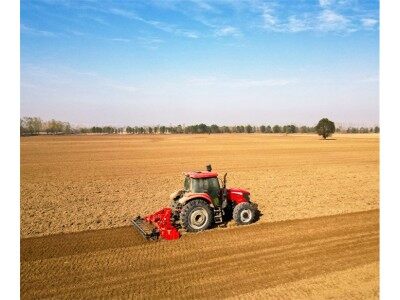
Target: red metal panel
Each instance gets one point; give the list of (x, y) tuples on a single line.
[(203, 196), (201, 174), (162, 220), (237, 195)]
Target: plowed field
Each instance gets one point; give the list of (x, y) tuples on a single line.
[(79, 183), (317, 237), (250, 262)]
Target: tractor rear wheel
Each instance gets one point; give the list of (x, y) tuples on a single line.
[(174, 205), (196, 215), (244, 213)]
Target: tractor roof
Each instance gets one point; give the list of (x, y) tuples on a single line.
[(201, 174)]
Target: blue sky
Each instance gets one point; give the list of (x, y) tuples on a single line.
[(184, 62)]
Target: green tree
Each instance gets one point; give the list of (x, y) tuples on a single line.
[(303, 129), (214, 128), (325, 127), (21, 127), (263, 129), (289, 129), (95, 129), (352, 130), (225, 129), (31, 125), (249, 129), (240, 129), (179, 129), (67, 128), (276, 129), (268, 129), (376, 129), (202, 128), (363, 130)]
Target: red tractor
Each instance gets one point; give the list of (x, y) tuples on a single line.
[(203, 201)]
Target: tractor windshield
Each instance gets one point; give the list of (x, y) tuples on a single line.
[(213, 184), (197, 185), (205, 185)]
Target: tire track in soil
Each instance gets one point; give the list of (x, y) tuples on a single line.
[(78, 242), (217, 263)]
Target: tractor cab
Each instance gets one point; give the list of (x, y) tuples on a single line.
[(204, 182)]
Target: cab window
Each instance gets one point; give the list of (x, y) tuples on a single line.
[(213, 184), (186, 184), (197, 185)]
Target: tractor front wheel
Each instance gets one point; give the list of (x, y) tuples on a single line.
[(244, 213), (196, 216)]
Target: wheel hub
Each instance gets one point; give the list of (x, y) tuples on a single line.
[(198, 218), (245, 215)]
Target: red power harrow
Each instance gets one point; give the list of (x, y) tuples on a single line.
[(157, 225)]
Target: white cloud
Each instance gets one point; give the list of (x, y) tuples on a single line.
[(203, 5), (120, 40), (326, 20), (124, 13), (325, 3), (171, 29), (339, 16), (332, 21), (228, 31), (296, 24), (156, 24), (188, 34), (369, 22), (270, 21), (37, 32)]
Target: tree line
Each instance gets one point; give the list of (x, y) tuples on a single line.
[(35, 125)]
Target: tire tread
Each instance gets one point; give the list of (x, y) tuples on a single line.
[(187, 209)]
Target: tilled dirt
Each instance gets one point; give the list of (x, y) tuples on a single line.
[(77, 183), (249, 260)]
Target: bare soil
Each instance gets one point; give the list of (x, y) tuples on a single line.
[(76, 183), (325, 257), (317, 237)]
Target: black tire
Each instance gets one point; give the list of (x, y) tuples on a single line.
[(244, 213), (175, 209), (174, 204), (196, 216)]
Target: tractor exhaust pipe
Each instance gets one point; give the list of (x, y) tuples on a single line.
[(224, 193), (224, 182)]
